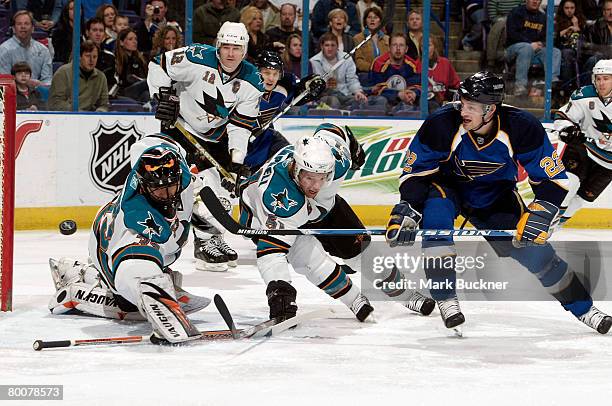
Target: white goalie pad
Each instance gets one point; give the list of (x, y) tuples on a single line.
[(158, 303)]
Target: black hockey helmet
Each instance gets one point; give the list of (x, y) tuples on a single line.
[(483, 87), (159, 172), (270, 60)]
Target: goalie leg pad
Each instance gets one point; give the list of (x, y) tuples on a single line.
[(158, 303)]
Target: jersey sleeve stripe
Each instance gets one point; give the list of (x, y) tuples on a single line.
[(137, 251)]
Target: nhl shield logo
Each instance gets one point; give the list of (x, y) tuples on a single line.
[(109, 165)]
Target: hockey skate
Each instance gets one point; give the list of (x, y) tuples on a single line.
[(208, 257), (420, 304), (232, 255), (451, 314), (361, 307), (597, 320)]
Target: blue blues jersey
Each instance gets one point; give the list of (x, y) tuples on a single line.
[(481, 168)]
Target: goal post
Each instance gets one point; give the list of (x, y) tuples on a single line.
[(7, 189)]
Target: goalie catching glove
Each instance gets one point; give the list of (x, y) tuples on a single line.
[(402, 226), (535, 224), (168, 107)]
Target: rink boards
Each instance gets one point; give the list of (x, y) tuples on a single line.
[(70, 164)]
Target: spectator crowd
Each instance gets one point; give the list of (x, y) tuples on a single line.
[(380, 76)]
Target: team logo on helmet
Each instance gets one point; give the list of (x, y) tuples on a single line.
[(109, 164)]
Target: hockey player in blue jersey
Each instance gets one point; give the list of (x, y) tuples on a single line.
[(134, 239), (280, 89), (464, 160)]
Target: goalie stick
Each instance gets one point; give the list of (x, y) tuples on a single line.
[(264, 329), (226, 220)]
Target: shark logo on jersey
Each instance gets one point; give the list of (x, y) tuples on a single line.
[(604, 125), (468, 170), (282, 201), (151, 227), (214, 107), (109, 164)]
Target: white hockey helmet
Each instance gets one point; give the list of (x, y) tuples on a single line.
[(313, 154), (602, 67), (332, 134), (235, 34)]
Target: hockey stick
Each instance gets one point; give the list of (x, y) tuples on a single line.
[(301, 96), (204, 152), (227, 316), (225, 219)]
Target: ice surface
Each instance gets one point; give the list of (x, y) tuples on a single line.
[(517, 353)]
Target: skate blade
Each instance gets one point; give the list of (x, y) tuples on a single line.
[(232, 264), (210, 267), (458, 331)]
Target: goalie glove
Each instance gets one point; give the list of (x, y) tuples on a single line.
[(314, 85), (168, 107), (572, 135), (536, 223), (358, 156), (401, 228)]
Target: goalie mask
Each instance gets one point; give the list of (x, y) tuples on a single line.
[(159, 173)]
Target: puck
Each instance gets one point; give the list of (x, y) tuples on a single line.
[(67, 227)]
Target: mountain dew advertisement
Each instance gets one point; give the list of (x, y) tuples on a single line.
[(385, 143)]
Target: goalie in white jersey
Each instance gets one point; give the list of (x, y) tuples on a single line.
[(585, 125), (217, 100), (134, 239)]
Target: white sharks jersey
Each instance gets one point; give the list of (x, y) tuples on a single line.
[(130, 228), (213, 103), (594, 117)]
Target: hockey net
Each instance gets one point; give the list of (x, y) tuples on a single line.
[(7, 188)]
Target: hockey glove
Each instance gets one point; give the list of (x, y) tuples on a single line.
[(572, 135), (535, 224), (241, 172), (168, 107), (401, 228), (314, 85), (358, 157)]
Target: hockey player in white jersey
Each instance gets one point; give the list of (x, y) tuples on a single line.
[(134, 239), (282, 195), (585, 125), (217, 100), (337, 213)]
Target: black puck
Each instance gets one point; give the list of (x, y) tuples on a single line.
[(67, 227)]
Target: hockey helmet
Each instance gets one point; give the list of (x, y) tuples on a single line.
[(602, 67), (483, 87), (159, 172), (270, 60), (313, 154), (235, 34), (333, 135)]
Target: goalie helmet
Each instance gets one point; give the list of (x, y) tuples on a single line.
[(159, 173), (313, 154), (235, 34)]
